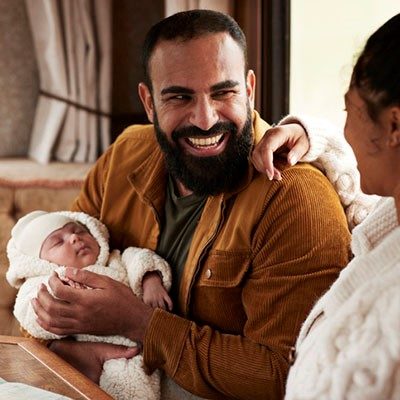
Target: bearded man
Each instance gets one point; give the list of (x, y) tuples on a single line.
[(249, 255)]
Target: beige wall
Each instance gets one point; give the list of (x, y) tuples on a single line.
[(326, 36)]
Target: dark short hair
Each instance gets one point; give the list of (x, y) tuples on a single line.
[(189, 25), (376, 75)]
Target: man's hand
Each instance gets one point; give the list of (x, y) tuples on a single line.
[(291, 139), (89, 358), (110, 309)]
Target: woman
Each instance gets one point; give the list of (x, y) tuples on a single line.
[(349, 346)]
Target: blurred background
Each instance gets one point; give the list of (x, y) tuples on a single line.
[(69, 69)]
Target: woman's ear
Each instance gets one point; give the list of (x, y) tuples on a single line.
[(147, 100), (394, 134)]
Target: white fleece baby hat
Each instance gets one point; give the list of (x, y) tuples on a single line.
[(32, 230)]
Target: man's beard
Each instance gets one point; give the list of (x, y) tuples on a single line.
[(208, 175)]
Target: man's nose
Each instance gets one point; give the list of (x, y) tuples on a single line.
[(204, 114)]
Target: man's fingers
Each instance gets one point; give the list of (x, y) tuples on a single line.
[(114, 351), (62, 326), (46, 307), (47, 303), (61, 290), (87, 278)]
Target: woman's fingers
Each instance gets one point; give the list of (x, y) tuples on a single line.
[(291, 138)]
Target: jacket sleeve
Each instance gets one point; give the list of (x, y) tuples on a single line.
[(140, 261), (331, 154), (300, 245)]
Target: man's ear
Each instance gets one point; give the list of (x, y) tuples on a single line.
[(251, 87), (394, 135), (147, 100)]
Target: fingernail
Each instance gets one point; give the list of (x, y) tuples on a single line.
[(292, 159), (270, 175)]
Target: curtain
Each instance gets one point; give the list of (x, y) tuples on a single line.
[(72, 40)]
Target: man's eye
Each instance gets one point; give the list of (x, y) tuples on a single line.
[(223, 94), (179, 97)]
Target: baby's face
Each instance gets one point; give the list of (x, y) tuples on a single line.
[(70, 246)]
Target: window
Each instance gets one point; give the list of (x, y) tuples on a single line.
[(326, 37)]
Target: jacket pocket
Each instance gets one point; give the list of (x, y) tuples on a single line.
[(224, 268)]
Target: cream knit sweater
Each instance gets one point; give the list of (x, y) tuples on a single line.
[(353, 351)]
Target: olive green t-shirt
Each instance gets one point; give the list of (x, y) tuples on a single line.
[(181, 215)]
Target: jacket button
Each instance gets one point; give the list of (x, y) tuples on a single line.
[(208, 273), (292, 355)]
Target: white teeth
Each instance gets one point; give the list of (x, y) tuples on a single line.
[(209, 141)]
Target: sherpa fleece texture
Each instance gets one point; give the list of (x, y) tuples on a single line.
[(121, 378)]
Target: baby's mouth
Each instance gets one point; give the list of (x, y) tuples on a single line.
[(82, 250)]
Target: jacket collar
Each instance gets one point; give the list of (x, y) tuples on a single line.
[(150, 179)]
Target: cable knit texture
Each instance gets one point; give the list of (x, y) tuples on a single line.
[(352, 351), (123, 379), (330, 153)]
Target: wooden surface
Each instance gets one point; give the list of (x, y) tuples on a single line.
[(27, 361)]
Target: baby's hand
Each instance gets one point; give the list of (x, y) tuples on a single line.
[(70, 282), (67, 281), (154, 293)]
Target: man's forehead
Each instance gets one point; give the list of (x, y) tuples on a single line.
[(206, 42), (210, 60)]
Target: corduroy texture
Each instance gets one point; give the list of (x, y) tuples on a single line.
[(353, 351), (331, 154), (258, 261)]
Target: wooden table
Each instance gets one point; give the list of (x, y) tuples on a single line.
[(27, 361)]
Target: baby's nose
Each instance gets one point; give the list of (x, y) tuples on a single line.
[(74, 238)]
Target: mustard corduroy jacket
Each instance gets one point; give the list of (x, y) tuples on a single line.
[(258, 261)]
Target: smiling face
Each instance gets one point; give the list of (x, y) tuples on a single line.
[(201, 103), (375, 144), (70, 246)]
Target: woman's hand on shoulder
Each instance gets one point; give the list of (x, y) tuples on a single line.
[(289, 141)]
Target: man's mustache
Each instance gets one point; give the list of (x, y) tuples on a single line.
[(194, 131)]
